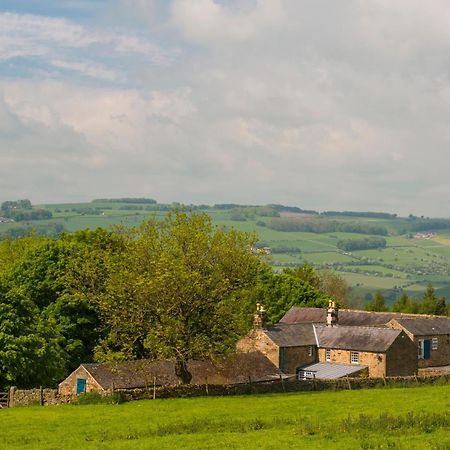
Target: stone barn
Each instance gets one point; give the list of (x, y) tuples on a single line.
[(105, 377), (431, 336)]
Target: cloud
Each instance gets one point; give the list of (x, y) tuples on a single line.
[(62, 44), (323, 105)]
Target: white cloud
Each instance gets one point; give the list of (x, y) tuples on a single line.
[(337, 105)]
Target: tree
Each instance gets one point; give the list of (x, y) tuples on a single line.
[(30, 350), (429, 301), (279, 292), (177, 291), (378, 303), (327, 282), (441, 307), (405, 304)]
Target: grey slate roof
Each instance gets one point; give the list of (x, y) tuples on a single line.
[(324, 370), (292, 335), (232, 369), (426, 326), (346, 316), (369, 339)]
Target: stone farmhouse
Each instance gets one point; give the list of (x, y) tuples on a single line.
[(327, 343), (106, 377), (430, 334)]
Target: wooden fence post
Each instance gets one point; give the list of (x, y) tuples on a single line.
[(206, 386), (41, 396), (154, 388), (12, 390)]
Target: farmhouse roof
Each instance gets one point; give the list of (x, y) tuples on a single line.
[(348, 317), (326, 370), (291, 335), (425, 326), (232, 369), (370, 339)]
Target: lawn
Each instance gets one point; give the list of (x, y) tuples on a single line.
[(406, 418)]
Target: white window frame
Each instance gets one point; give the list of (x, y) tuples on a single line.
[(328, 354), (420, 348), (354, 357), (434, 343), (310, 350)]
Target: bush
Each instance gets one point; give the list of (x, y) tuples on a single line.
[(95, 398)]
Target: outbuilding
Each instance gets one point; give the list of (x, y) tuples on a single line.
[(431, 336)]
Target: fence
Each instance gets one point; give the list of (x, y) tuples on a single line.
[(4, 400), (31, 397)]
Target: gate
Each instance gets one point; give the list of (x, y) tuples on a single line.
[(4, 400)]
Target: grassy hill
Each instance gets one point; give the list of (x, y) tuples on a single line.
[(410, 260), (400, 418)]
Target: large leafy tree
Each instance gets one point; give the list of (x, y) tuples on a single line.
[(44, 309), (177, 290), (279, 292)]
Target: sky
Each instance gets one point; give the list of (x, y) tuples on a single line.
[(319, 104)]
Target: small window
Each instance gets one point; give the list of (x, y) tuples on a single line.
[(354, 357), (420, 348), (310, 350), (434, 343), (327, 354)]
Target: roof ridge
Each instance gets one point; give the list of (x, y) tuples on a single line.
[(412, 315)]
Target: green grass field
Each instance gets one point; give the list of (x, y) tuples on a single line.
[(405, 262), (318, 420)]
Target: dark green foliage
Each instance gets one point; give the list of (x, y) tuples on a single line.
[(21, 215), (368, 214), (350, 245), (147, 201), (429, 301), (405, 304), (19, 204), (279, 292), (377, 304), (322, 225), (94, 398)]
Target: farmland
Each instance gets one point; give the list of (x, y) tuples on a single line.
[(402, 418), (408, 262)]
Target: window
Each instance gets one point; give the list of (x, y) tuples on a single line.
[(420, 348), (310, 350), (434, 343), (328, 355), (354, 357), (305, 375)]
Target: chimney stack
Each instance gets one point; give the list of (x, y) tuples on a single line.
[(259, 320), (332, 314)]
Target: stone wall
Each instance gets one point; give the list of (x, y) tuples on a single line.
[(376, 362), (51, 397), (35, 397), (401, 357), (295, 357), (292, 385), (257, 340)]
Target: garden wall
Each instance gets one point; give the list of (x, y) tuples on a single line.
[(44, 397)]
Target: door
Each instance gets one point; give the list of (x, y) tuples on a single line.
[(281, 363), (426, 349), (81, 385)]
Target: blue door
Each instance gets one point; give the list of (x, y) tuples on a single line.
[(81, 385), (426, 349), (281, 363)]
